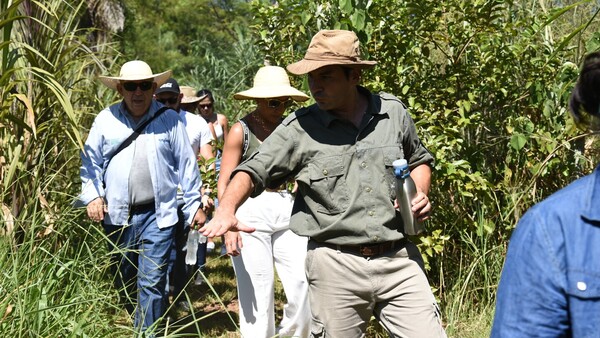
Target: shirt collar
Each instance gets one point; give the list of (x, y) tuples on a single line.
[(591, 210), (154, 107), (375, 103)]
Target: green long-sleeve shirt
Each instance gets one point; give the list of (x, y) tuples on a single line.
[(345, 176)]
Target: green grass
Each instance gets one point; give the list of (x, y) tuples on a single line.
[(58, 285), (215, 306), (214, 303)]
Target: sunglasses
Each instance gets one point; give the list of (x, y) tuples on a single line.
[(274, 103), (205, 106), (169, 100), (132, 86)]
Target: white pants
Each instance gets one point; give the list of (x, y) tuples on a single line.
[(272, 244)]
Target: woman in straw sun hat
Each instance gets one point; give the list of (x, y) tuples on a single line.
[(273, 243)]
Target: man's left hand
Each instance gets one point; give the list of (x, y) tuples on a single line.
[(199, 219)]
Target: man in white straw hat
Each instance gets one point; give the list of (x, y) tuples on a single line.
[(340, 151), (130, 177), (273, 244), (171, 95)]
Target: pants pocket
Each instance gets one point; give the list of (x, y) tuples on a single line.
[(317, 329)]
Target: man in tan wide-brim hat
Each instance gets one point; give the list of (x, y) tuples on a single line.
[(331, 47), (340, 151), (136, 154)]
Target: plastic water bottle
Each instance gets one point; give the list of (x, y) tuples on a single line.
[(405, 192), (192, 247)]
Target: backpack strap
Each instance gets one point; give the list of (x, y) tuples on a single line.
[(246, 138)]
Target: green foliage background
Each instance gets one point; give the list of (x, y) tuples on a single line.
[(487, 83)]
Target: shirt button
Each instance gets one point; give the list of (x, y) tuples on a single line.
[(363, 164), (375, 239), (371, 213), (368, 189), (581, 286), (324, 171)]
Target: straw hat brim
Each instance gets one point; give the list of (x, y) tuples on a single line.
[(193, 99), (266, 92), (112, 81), (190, 99), (305, 66)]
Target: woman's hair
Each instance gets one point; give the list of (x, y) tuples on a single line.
[(207, 92), (585, 98)]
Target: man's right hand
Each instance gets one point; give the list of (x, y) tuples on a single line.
[(96, 209), (223, 222)]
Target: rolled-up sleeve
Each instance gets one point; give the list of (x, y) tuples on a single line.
[(92, 162), (414, 150)]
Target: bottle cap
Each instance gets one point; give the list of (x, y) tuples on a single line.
[(401, 163)]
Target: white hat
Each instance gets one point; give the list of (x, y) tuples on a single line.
[(135, 71), (271, 81), (189, 95)]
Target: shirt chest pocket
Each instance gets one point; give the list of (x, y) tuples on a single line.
[(390, 154), (329, 191), (583, 289)]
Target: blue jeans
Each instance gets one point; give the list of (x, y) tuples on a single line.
[(139, 262)]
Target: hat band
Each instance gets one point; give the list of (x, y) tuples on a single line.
[(330, 56)]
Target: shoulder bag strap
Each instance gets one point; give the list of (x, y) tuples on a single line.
[(134, 135)]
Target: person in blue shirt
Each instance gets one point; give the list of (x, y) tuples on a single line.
[(550, 284), (134, 192), (171, 95)]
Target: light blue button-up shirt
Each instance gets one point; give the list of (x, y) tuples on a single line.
[(550, 284), (170, 158)]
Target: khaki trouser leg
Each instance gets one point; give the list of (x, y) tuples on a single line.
[(346, 290)]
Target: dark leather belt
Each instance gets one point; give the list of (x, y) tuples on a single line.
[(368, 250), (142, 207)]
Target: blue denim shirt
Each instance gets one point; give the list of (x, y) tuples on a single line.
[(550, 284), (170, 158)]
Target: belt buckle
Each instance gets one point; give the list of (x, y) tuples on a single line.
[(369, 250)]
